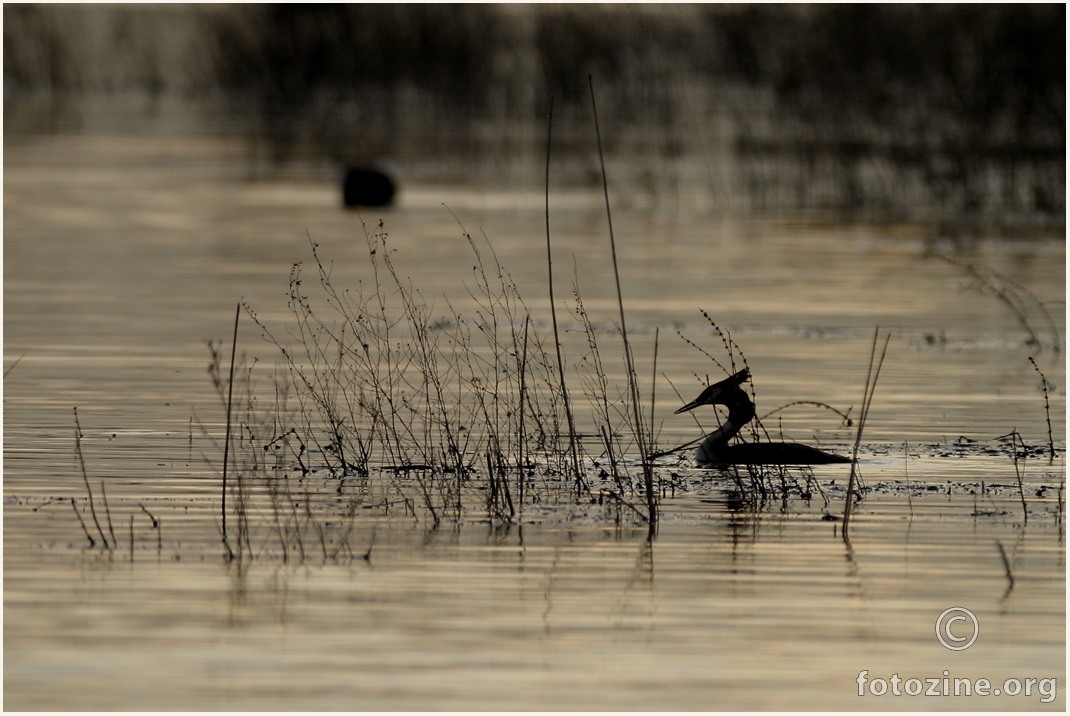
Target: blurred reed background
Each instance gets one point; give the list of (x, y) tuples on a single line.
[(885, 112)]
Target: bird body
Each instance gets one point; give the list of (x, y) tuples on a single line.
[(715, 449)]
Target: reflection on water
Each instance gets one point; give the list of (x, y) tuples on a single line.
[(749, 610), (122, 257)]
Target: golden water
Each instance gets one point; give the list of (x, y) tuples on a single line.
[(123, 255)]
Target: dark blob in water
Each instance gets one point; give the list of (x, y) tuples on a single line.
[(367, 187)]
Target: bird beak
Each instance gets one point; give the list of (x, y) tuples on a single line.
[(690, 406), (712, 394), (703, 399)]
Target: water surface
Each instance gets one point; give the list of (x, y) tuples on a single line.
[(123, 255)]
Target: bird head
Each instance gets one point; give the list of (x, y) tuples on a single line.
[(722, 393)]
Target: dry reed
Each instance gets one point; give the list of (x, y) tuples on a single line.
[(872, 373), (643, 440)]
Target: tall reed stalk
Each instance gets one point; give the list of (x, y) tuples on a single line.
[(872, 373), (226, 439), (633, 380), (572, 438)]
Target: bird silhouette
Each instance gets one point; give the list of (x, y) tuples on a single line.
[(715, 449)]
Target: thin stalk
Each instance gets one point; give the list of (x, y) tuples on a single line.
[(1015, 440), (12, 366), (92, 542), (492, 498), (226, 439), (612, 460), (508, 495), (572, 447), (654, 381), (633, 383), (156, 525), (107, 515), (523, 381), (1047, 411), (155, 522), (85, 478), (906, 473), (867, 401)]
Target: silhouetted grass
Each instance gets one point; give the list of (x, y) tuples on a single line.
[(444, 415), (386, 386)]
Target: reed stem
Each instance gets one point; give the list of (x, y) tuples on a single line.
[(226, 439), (1047, 410), (633, 383), (1016, 440), (867, 400), (85, 478), (74, 505), (572, 447)]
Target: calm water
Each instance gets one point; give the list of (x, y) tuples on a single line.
[(122, 256)]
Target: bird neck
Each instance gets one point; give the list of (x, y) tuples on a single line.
[(740, 412)]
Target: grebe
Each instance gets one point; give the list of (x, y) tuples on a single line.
[(715, 449)]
